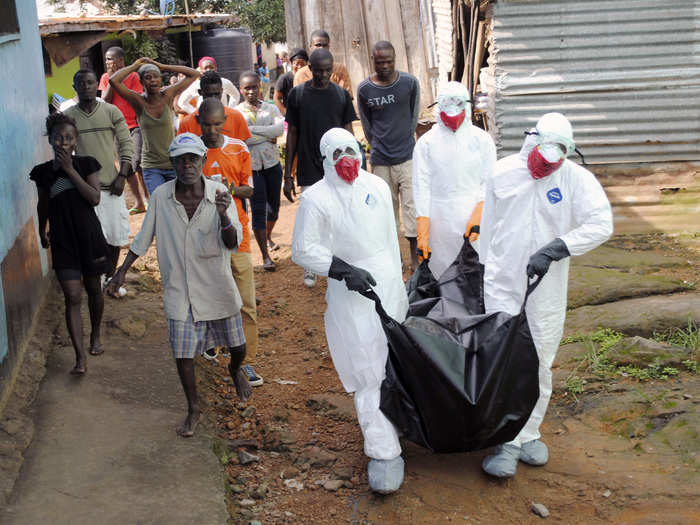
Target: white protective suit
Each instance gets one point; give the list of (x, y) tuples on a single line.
[(354, 222), (521, 215), (449, 172)]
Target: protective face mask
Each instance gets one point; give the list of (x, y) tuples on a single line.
[(453, 121), (348, 168), (539, 166)]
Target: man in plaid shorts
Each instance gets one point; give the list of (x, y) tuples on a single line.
[(196, 227)]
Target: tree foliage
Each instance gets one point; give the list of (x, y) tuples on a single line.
[(264, 18), (144, 45)]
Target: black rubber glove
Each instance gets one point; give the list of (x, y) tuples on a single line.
[(540, 260), (356, 279)]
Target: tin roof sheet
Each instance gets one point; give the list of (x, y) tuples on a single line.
[(625, 72)]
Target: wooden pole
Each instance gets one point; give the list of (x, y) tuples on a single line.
[(189, 32)]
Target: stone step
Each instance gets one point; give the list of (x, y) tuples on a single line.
[(589, 285), (639, 316)]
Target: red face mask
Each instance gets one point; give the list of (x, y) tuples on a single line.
[(452, 122), (348, 169), (539, 166)]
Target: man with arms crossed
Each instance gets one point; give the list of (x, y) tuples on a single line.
[(389, 102)]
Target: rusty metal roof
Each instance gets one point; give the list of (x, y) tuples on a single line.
[(56, 26)]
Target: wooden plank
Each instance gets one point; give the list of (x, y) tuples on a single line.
[(415, 48), (119, 23), (64, 48), (311, 16), (332, 23), (396, 33), (480, 49), (356, 48), (293, 24), (376, 26)]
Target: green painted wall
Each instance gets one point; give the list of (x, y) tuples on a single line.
[(61, 81)]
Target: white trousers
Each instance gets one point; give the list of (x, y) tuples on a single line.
[(546, 352), (381, 438)]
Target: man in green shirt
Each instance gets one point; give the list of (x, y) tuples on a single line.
[(99, 125)]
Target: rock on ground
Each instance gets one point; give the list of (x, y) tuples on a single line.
[(641, 352), (337, 406), (640, 316), (610, 257), (601, 285), (540, 510)]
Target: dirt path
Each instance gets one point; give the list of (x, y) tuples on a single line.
[(305, 434), (307, 464)]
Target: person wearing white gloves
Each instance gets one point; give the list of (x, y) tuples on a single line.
[(451, 162), (345, 229), (540, 208)]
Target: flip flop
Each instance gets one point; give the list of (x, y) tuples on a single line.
[(270, 266), (97, 349), (273, 246), (136, 211)]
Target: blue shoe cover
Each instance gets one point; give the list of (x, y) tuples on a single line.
[(385, 475), (534, 453), (503, 462)]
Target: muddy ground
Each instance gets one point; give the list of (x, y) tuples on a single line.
[(622, 451)]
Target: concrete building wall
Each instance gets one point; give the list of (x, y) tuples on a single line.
[(23, 264)]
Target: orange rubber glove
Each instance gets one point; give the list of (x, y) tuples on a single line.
[(474, 220), (423, 232)]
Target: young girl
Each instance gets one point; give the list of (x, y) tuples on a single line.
[(153, 114), (68, 192), (266, 123)]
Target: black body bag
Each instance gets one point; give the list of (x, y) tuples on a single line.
[(457, 379)]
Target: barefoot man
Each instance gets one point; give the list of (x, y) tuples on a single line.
[(196, 227)]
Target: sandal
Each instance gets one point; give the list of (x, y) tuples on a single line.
[(136, 211), (272, 245), (97, 349), (270, 266)]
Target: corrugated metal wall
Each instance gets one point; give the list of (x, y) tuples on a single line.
[(625, 72)]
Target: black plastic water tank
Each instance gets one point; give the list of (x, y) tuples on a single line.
[(231, 48)]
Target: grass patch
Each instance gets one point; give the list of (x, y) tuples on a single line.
[(602, 340), (691, 365), (688, 337), (574, 386), (653, 371)]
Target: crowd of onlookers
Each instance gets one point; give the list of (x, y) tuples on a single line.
[(121, 129)]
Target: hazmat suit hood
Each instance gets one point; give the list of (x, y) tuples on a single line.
[(453, 97), (551, 127), (333, 139)]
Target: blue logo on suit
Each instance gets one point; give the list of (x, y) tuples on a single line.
[(554, 195)]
